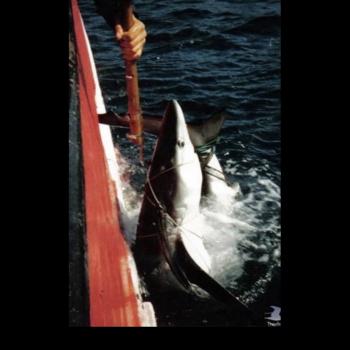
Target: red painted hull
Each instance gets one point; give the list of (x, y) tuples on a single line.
[(112, 296)]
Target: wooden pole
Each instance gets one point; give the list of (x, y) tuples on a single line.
[(132, 86)]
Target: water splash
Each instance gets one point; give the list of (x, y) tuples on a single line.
[(242, 233)]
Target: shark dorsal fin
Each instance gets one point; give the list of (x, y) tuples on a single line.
[(205, 131)]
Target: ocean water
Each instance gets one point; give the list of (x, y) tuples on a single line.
[(210, 55)]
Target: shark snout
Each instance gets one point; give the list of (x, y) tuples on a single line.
[(174, 121)]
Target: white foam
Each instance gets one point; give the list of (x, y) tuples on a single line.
[(225, 229)]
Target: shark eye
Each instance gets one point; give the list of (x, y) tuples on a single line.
[(181, 143)]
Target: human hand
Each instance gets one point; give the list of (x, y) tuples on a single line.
[(133, 40)]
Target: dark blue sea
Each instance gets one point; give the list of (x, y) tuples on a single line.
[(210, 55)]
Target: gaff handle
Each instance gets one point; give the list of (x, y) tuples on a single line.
[(132, 86)]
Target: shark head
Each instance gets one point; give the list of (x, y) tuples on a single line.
[(175, 169), (174, 144)]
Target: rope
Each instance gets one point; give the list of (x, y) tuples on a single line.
[(209, 146), (205, 152), (222, 177), (166, 170), (163, 210)]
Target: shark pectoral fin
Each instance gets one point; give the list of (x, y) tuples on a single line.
[(198, 276), (193, 243)]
